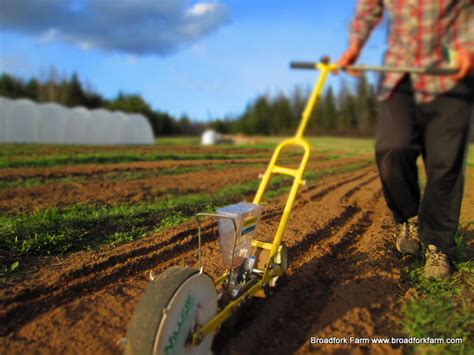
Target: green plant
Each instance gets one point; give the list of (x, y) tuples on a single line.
[(57, 231), (444, 308)]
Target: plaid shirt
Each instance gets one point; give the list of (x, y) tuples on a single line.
[(422, 34)]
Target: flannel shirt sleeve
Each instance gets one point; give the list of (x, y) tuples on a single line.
[(463, 27), (368, 15)]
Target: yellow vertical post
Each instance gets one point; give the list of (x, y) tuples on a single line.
[(297, 174), (314, 99)]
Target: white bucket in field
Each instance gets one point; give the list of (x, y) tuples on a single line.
[(209, 137)]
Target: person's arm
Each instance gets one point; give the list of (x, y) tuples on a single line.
[(368, 15), (462, 32)]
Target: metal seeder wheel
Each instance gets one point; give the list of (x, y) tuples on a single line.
[(176, 302)]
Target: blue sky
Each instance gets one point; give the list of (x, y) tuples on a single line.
[(202, 58)]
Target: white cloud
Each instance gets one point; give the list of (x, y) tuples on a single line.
[(86, 45), (159, 27), (200, 9), (49, 35), (199, 49), (132, 59)]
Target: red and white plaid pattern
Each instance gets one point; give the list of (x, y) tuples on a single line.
[(422, 33)]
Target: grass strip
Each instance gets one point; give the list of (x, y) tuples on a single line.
[(117, 176), (443, 309), (22, 182), (113, 176), (31, 182), (110, 158), (56, 231)]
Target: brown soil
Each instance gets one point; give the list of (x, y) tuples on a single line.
[(93, 170), (42, 150), (98, 188), (345, 279)]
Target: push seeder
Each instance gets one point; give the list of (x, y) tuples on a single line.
[(184, 307)]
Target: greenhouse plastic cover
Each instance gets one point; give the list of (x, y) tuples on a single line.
[(24, 121)]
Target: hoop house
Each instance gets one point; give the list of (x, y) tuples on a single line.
[(24, 121), (124, 133), (76, 125), (113, 134), (52, 120), (143, 133), (5, 106)]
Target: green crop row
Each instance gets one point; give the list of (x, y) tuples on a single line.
[(110, 158), (56, 231), (115, 176)]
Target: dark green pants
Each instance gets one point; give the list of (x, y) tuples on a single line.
[(439, 132)]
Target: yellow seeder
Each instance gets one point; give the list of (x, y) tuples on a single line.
[(184, 307)]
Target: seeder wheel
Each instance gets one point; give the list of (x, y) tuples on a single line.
[(174, 304)]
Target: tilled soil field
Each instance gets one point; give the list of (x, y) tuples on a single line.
[(345, 277), (98, 187)]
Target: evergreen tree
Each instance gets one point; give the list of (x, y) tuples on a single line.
[(76, 94), (32, 89), (130, 103), (372, 108), (257, 117), (281, 115), (348, 118), (221, 126), (330, 109), (185, 125), (298, 98), (365, 104), (12, 87)]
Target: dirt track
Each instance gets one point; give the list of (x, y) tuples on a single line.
[(344, 279)]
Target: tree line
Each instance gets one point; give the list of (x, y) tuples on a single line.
[(71, 92), (350, 111), (347, 112)]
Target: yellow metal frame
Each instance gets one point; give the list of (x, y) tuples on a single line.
[(272, 169)]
